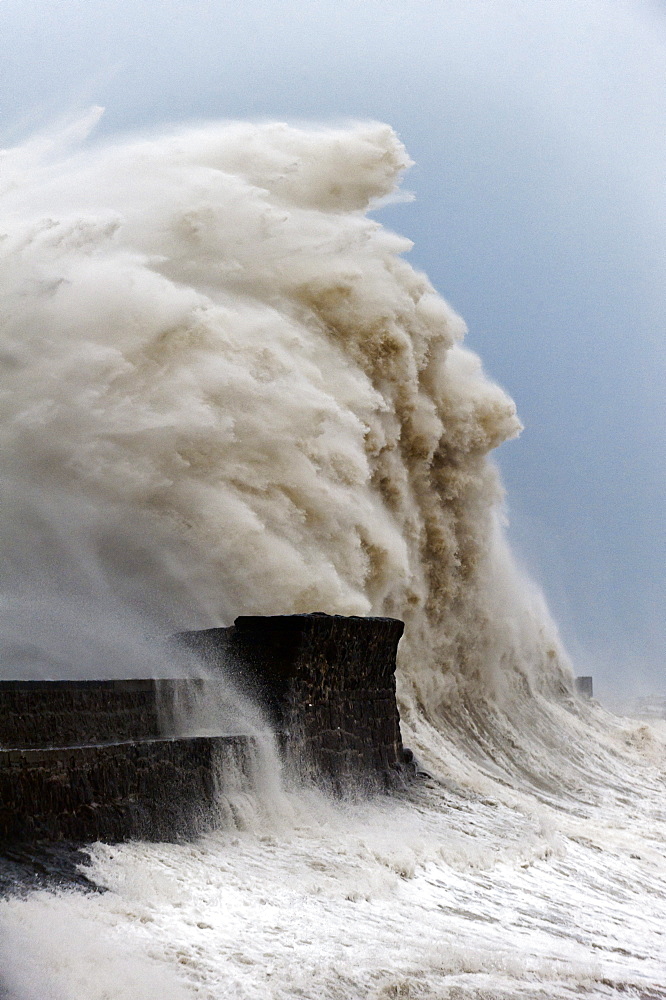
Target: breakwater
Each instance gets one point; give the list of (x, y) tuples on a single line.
[(148, 789), (103, 759), (327, 682), (80, 713)]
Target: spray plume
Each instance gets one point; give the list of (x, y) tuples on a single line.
[(224, 391)]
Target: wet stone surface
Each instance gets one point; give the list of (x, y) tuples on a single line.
[(25, 867), (76, 713), (89, 760), (327, 681), (152, 790)]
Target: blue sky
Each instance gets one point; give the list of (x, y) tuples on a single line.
[(538, 131)]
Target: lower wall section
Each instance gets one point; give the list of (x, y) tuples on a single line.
[(153, 789)]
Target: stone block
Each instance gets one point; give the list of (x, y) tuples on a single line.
[(326, 681)]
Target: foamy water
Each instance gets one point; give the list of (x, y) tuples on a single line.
[(452, 891), (225, 391)]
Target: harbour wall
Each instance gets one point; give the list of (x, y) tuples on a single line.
[(147, 789), (327, 682), (103, 759)]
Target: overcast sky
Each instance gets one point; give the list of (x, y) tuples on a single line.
[(539, 133)]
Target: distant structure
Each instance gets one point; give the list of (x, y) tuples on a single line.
[(583, 686)]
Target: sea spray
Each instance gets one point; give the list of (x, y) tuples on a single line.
[(226, 392)]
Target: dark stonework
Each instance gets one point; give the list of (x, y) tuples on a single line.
[(92, 760), (153, 789), (327, 681), (81, 713), (583, 686), (100, 760), (43, 865)]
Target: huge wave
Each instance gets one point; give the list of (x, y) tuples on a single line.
[(225, 391)]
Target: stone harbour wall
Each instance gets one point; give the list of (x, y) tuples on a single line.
[(102, 760), (78, 713), (328, 683), (152, 789)]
